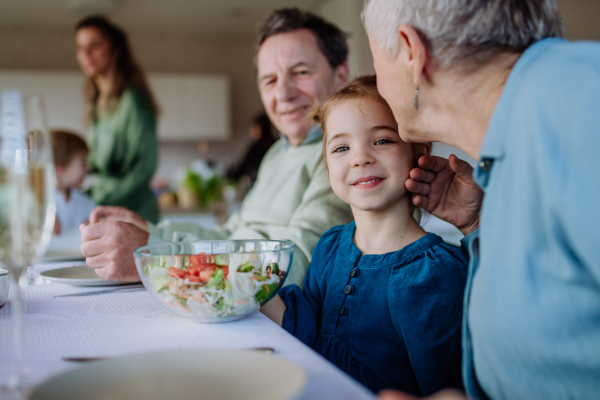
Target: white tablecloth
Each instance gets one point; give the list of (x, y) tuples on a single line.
[(125, 323)]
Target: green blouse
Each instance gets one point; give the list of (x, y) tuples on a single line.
[(123, 156)]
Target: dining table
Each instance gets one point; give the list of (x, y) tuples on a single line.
[(127, 322)]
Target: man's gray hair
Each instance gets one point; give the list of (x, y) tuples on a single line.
[(455, 31)]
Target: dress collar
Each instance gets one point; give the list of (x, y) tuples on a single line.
[(353, 254)]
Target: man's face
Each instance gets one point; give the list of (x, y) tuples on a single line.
[(293, 77)]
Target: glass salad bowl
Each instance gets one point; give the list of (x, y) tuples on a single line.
[(214, 280)]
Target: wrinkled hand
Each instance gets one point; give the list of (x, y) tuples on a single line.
[(112, 213), (108, 248), (446, 189), (448, 394)]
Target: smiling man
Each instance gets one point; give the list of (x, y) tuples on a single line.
[(300, 59)]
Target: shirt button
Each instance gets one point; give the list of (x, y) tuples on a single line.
[(342, 310), (353, 273), (486, 164), (348, 289)]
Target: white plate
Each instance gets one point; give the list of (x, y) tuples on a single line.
[(207, 374), (80, 275), (64, 247), (62, 255)]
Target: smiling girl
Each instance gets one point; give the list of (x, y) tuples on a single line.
[(382, 298)]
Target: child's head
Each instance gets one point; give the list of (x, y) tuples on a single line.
[(70, 153), (367, 161)]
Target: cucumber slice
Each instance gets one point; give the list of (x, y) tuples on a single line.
[(222, 260), (246, 267)]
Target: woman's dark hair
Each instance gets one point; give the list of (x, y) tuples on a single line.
[(331, 40), (128, 72)]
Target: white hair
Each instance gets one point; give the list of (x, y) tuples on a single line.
[(455, 31)]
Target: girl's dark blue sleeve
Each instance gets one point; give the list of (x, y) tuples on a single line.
[(302, 317), (426, 300)]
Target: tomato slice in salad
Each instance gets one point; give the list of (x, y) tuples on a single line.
[(206, 274), (201, 259), (194, 271), (177, 273)]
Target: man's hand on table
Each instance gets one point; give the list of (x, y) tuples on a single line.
[(448, 394), (446, 189), (112, 213), (108, 248)]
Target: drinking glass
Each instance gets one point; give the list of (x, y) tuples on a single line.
[(27, 207)]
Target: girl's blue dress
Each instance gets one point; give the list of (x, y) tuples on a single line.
[(390, 320)]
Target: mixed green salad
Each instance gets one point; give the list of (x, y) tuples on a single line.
[(214, 286)]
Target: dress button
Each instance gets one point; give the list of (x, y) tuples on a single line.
[(353, 273), (342, 310), (348, 289), (486, 164)]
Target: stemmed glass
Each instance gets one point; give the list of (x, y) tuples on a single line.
[(27, 207)]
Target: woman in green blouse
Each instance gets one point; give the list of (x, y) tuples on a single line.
[(121, 117)]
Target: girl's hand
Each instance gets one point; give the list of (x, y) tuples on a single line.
[(446, 189), (274, 310)]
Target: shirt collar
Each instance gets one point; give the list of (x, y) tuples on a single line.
[(315, 133)]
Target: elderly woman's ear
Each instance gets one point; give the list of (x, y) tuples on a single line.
[(412, 52)]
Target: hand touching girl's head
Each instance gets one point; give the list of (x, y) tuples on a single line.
[(367, 161)]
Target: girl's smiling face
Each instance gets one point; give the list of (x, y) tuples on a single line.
[(368, 163)]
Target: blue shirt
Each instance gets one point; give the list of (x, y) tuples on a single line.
[(532, 319), (390, 320), (74, 212)]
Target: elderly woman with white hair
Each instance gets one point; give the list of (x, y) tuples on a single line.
[(494, 78)]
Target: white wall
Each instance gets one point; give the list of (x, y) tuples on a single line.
[(346, 15)]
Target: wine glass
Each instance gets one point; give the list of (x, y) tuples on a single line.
[(27, 207)]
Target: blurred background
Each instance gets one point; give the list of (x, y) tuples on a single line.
[(198, 55)]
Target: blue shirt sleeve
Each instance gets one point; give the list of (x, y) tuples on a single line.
[(577, 209), (302, 317), (425, 299)]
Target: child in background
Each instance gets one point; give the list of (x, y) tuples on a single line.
[(72, 206), (382, 299)]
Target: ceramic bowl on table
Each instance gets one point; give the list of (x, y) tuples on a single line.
[(214, 280), (5, 279)]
